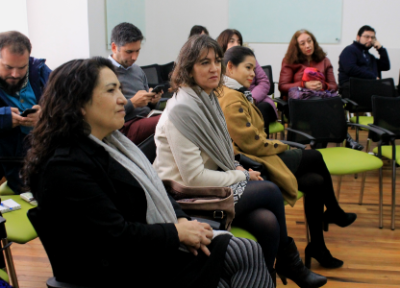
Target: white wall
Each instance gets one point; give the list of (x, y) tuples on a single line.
[(58, 30), (13, 16), (168, 23)]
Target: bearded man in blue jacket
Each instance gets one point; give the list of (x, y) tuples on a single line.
[(22, 80)]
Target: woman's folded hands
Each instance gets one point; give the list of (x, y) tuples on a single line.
[(195, 235)]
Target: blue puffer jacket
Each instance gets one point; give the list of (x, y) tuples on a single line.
[(12, 139)]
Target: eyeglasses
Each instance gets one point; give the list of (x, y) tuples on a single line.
[(369, 37)]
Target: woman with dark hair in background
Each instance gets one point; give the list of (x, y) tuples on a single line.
[(198, 30), (90, 179), (194, 149), (260, 86), (303, 52)]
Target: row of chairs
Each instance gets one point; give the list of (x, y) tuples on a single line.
[(360, 100)]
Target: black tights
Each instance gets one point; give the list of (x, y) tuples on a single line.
[(260, 211), (315, 182)]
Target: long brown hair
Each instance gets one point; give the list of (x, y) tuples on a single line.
[(294, 54), (70, 86), (189, 55), (226, 35)]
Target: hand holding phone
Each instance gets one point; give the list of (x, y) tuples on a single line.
[(28, 111), (157, 89)]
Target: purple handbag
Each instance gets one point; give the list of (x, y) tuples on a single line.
[(301, 93)]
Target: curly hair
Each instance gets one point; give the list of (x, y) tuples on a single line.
[(69, 88), (226, 35), (189, 55), (294, 54)]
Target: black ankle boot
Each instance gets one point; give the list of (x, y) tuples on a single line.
[(289, 265), (323, 256), (351, 143), (339, 218)]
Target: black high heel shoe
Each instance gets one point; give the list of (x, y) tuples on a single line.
[(323, 256), (289, 265), (339, 218)]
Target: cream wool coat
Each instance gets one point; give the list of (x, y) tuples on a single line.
[(180, 160), (246, 128)]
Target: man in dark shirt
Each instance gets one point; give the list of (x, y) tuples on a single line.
[(356, 61)]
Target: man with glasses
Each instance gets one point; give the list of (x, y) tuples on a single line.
[(356, 61)]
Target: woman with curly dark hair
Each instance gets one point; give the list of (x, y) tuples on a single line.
[(89, 179), (304, 51)]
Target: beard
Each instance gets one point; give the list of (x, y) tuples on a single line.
[(12, 89)]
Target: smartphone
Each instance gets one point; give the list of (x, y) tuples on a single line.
[(157, 89), (28, 111)]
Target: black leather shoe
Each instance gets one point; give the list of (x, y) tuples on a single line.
[(289, 265), (323, 256), (339, 218), (350, 143)]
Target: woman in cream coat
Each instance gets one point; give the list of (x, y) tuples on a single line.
[(194, 148)]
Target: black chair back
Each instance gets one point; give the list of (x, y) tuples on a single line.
[(152, 74), (149, 148), (165, 71), (268, 70), (361, 91), (324, 119), (386, 115)]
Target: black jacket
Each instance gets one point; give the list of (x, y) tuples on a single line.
[(352, 63), (95, 212)]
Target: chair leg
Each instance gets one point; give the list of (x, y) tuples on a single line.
[(338, 187), (306, 223), (393, 192), (10, 263), (357, 134), (362, 188), (380, 199), (368, 148)]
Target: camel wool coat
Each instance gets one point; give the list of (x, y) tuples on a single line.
[(246, 128)]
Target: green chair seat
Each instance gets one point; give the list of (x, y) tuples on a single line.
[(276, 127), (4, 276), (387, 152), (19, 228), (342, 161), (363, 120), (239, 232), (5, 189)]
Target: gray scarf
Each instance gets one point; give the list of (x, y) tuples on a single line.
[(159, 208), (193, 113)]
